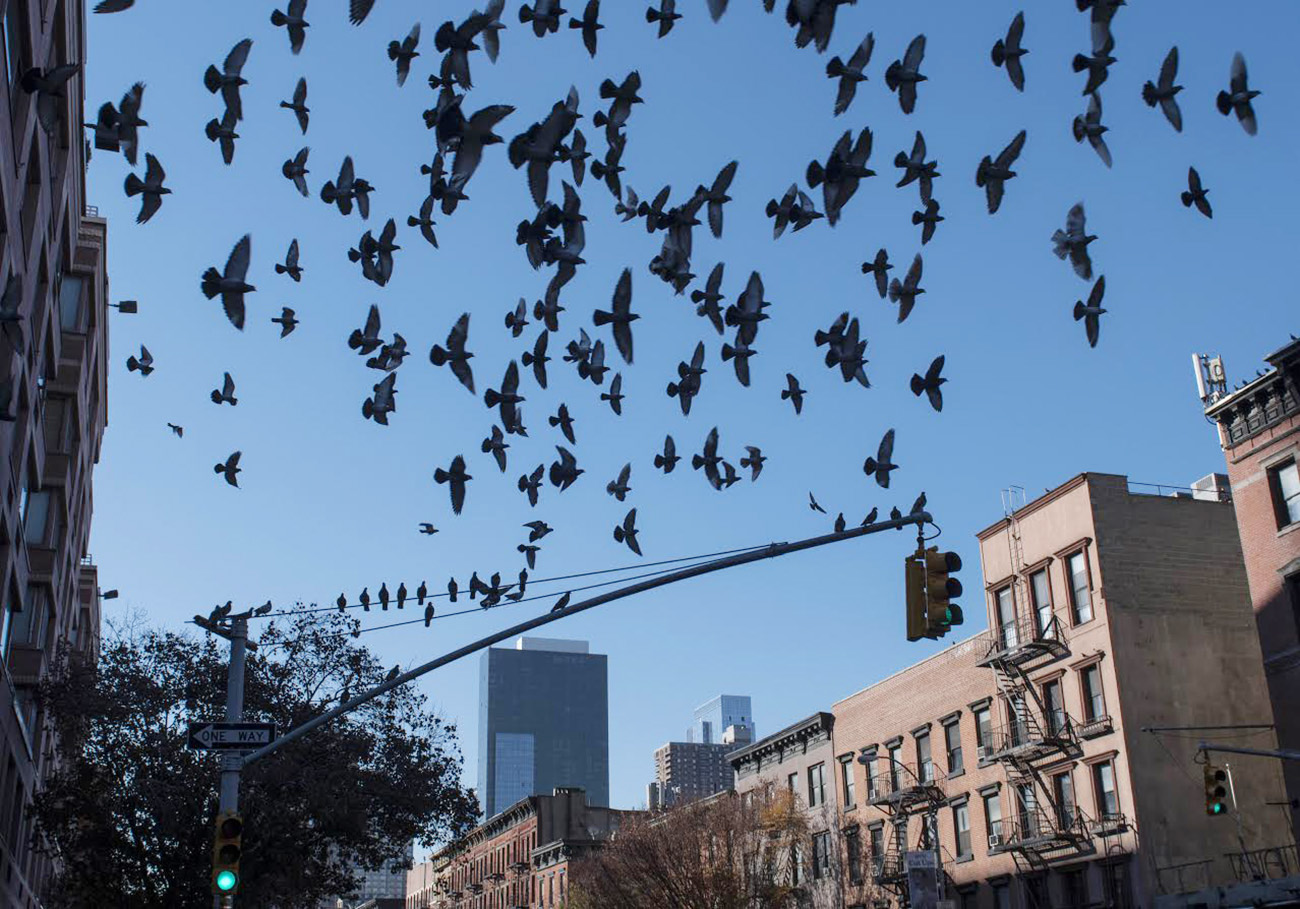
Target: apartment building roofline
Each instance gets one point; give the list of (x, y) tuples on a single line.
[(912, 667), (822, 719), (1045, 499)]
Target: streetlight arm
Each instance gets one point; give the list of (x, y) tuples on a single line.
[(767, 552)]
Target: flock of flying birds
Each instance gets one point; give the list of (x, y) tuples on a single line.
[(554, 236)]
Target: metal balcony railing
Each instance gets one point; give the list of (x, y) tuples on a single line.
[(903, 786), (1266, 864), (1028, 638), (1044, 828), (1032, 739)]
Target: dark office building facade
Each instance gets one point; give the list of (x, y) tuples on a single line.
[(543, 722)]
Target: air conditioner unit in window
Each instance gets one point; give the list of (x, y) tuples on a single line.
[(982, 753), (995, 840)]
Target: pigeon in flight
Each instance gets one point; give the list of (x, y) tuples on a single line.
[(1008, 52), (358, 10), (151, 187), (903, 75), (299, 104), (882, 463), (915, 167), (1097, 65), (929, 219), (706, 301), (666, 15), (615, 394), (564, 422), (993, 174), (590, 24), (1195, 194), (930, 383), (795, 208), (1089, 126), (425, 221), (626, 532), (348, 187), (118, 129), (293, 21), (1090, 313), (754, 461), (619, 487), (879, 267), (537, 358), (669, 458), (844, 170), (227, 80), (476, 133), (538, 146), (740, 352), (229, 468), (403, 52), (428, 529), (715, 196), (1237, 99), (47, 86), (529, 554), (609, 167), (793, 393), (537, 530), (496, 445), (383, 402), (814, 505), (688, 384), (223, 132), (575, 154), (226, 394), (143, 364), (709, 459), (231, 283), (530, 483), (295, 169), (508, 398), (1073, 242), (747, 312), (178, 431), (1163, 91), (620, 315), (565, 470), (290, 265), (851, 73), (543, 14), (455, 354), (455, 477), (366, 340)]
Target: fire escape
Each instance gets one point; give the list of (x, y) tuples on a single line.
[(902, 792)]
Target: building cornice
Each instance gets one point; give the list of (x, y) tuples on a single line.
[(795, 735), (1262, 403)]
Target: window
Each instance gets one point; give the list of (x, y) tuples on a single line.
[(900, 834), (1118, 888), (877, 834), (1041, 591), (1006, 606), (57, 420), (846, 777), (1103, 780), (924, 764), (952, 742), (969, 899), (1284, 481), (1017, 724), (993, 817), (929, 830), (871, 776), (853, 852), (793, 782), (816, 785), (11, 614), (1080, 600), (1074, 887), (1027, 810), (1094, 705), (983, 727), (895, 763), (821, 855), (1054, 707), (961, 826), (1001, 896), (1035, 889), (70, 302), (36, 517), (1063, 791)]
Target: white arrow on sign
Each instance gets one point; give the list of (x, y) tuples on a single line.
[(232, 735)]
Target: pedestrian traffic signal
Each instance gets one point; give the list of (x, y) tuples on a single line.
[(914, 575), (940, 590), (226, 852), (1216, 790)]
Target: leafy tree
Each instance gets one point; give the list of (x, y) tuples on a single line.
[(129, 811), (726, 852)]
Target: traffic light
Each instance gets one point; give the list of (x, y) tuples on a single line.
[(225, 853), (914, 573), (940, 589), (1216, 790)]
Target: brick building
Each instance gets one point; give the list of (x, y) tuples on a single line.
[(686, 771), (519, 857), (1018, 757), (53, 397), (1259, 430)]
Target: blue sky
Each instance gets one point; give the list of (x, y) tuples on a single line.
[(331, 502)]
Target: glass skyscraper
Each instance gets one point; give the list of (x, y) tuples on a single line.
[(543, 722), (713, 718)]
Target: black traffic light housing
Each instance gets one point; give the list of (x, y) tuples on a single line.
[(1216, 790), (940, 589), (226, 852), (914, 576)]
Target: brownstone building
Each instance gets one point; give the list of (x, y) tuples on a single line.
[(52, 410), (1018, 757), (518, 858), (1259, 429)]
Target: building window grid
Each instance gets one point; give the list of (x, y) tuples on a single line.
[(952, 743), (1054, 706), (1080, 587), (846, 777), (993, 817), (923, 761), (1284, 482), (1040, 590), (1094, 700), (1103, 777), (1006, 616), (821, 855), (983, 726), (961, 829), (816, 785)]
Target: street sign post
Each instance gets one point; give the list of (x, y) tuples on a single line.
[(230, 736)]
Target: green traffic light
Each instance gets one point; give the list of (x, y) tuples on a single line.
[(226, 881), (1217, 808)]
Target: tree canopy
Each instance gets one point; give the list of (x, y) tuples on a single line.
[(129, 811)]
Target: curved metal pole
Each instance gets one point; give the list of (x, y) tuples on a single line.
[(767, 552)]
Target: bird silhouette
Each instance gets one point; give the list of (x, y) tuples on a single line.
[(292, 20), (151, 188), (882, 464), (1007, 52), (231, 283), (1090, 313), (850, 73), (225, 394), (229, 468), (627, 532), (298, 105), (455, 477), (793, 393), (1195, 194), (1163, 91), (1239, 96), (930, 382), (904, 75)]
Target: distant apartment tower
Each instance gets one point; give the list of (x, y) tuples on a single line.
[(686, 771), (713, 718), (1259, 430), (53, 397), (543, 722)]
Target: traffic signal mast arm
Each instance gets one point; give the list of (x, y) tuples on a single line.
[(920, 519), (1281, 755)]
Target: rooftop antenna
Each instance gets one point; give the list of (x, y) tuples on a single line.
[(1211, 380)]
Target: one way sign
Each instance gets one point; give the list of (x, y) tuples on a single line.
[(230, 736)]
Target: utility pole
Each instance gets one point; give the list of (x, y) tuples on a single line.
[(237, 634)]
